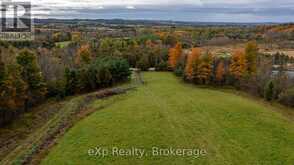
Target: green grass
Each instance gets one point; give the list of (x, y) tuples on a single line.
[(168, 113), (62, 44)]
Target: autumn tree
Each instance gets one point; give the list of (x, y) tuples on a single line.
[(61, 36), (76, 36), (238, 64), (2, 71), (133, 54), (57, 37), (251, 52), (205, 69), (168, 39), (220, 72), (150, 52), (192, 61), (106, 47), (143, 63), (174, 55), (83, 55), (13, 88), (31, 74)]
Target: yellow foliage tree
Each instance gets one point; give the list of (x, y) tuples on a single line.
[(76, 36), (83, 55)]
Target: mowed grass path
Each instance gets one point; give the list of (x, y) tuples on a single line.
[(168, 113)]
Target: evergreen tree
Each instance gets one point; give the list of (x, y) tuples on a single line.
[(269, 91), (71, 81)]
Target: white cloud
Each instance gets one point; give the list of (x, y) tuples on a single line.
[(271, 9), (89, 3), (130, 7), (56, 5)]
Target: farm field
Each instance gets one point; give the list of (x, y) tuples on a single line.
[(62, 44), (166, 112), (263, 49)]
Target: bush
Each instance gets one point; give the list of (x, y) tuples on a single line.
[(179, 70), (287, 97), (56, 89), (143, 64), (162, 66)]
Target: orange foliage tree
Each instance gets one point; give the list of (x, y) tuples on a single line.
[(83, 55), (174, 55), (238, 64), (220, 72), (192, 59)]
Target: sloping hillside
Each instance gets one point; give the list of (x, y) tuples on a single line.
[(166, 113)]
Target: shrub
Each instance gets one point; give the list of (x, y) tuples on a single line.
[(162, 66), (143, 63), (179, 70), (287, 97), (56, 89)]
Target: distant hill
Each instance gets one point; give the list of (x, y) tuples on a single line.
[(143, 22)]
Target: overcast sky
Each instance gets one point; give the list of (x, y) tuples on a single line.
[(178, 10)]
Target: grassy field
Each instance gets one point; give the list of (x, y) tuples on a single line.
[(167, 113)]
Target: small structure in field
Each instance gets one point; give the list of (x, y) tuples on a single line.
[(152, 69)]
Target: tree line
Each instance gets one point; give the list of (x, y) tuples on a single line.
[(23, 84), (28, 76), (246, 69)]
